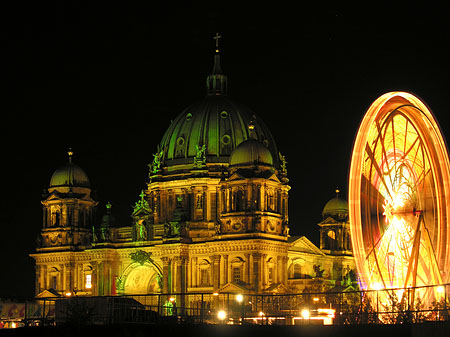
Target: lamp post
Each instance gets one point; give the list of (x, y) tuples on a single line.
[(240, 300)]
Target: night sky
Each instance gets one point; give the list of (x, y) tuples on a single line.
[(106, 80)]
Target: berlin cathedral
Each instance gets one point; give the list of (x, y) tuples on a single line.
[(213, 218)]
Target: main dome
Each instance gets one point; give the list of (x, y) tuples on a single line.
[(206, 133), (219, 124)]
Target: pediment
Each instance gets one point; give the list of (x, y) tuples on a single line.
[(274, 177), (329, 221), (235, 176), (232, 288), (265, 175), (53, 196), (277, 288), (48, 293), (303, 244)]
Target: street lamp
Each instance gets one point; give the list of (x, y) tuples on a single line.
[(306, 314), (221, 315), (240, 300)]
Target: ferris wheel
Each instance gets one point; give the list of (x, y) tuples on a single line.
[(399, 199)]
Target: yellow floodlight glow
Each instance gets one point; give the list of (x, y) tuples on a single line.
[(221, 315), (305, 313), (329, 312), (239, 298)]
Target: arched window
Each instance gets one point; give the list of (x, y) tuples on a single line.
[(205, 272), (87, 273), (270, 201), (55, 221), (239, 200), (237, 266), (53, 278), (331, 240)]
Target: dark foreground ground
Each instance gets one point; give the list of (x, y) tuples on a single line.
[(425, 329)]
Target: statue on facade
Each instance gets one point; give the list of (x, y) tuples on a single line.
[(141, 215), (141, 231), (200, 156), (283, 167), (319, 272), (155, 166)]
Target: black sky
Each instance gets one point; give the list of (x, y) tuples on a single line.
[(106, 80)]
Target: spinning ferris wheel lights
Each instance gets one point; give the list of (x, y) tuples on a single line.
[(399, 198)]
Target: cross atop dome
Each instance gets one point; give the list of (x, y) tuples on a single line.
[(216, 38), (216, 83)]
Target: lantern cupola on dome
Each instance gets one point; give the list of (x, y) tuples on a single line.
[(217, 82)]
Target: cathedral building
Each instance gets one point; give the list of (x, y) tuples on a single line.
[(213, 218)]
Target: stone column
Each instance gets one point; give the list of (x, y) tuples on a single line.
[(247, 276), (192, 281), (263, 271), (285, 262), (166, 271), (215, 271), (257, 270), (68, 276), (280, 269), (94, 278), (179, 269), (38, 280), (224, 272)]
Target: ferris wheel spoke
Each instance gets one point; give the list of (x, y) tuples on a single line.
[(406, 152), (377, 169), (406, 137), (413, 257), (434, 265), (393, 144), (421, 178), (381, 137)]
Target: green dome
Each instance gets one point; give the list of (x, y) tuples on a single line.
[(336, 207), (251, 152), (69, 175), (217, 123)]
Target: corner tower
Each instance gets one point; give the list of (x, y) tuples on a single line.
[(335, 227), (68, 210)]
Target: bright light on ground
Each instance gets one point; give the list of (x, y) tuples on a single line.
[(221, 315)]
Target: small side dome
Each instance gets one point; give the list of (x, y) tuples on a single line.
[(251, 152), (69, 175), (337, 208)]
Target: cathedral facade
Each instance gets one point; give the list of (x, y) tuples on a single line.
[(213, 218)]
